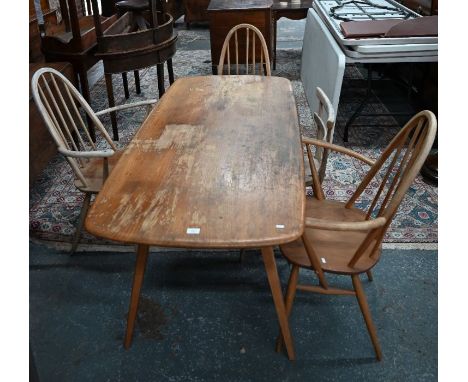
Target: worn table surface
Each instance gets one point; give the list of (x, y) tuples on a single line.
[(218, 154)]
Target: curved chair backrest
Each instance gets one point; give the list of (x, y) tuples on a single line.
[(395, 170), (324, 119), (58, 101), (251, 34)]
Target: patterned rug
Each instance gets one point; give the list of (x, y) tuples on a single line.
[(55, 202)]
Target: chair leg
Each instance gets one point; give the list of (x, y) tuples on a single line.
[(125, 85), (140, 266), (170, 70), (79, 225), (370, 277), (290, 294), (110, 97), (136, 74), (361, 297), (84, 87), (160, 70)]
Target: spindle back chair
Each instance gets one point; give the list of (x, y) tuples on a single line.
[(59, 104), (343, 239), (251, 34)]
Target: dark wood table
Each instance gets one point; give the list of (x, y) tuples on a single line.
[(224, 15), (217, 164), (290, 10)]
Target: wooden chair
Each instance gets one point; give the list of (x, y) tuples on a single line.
[(324, 120), (57, 101), (251, 52), (342, 239)]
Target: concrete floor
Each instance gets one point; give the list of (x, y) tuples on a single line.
[(205, 317)]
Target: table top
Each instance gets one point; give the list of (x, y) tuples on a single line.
[(223, 5), (291, 5), (217, 164)]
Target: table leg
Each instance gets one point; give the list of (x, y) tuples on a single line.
[(140, 266), (275, 286)]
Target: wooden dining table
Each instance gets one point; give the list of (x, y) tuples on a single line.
[(217, 164)]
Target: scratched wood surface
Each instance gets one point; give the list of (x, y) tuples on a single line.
[(217, 164)]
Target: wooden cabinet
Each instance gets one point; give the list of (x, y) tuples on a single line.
[(196, 11), (224, 15)]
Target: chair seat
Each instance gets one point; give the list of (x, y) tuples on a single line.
[(333, 248), (132, 5), (93, 172)]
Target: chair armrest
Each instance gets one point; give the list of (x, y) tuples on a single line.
[(329, 225), (87, 154), (126, 106), (337, 148)]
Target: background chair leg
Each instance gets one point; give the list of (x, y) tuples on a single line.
[(290, 294), (125, 85), (110, 97), (369, 276), (160, 70), (136, 74), (170, 70), (79, 225), (361, 297), (140, 266)]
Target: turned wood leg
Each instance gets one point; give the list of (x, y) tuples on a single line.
[(275, 286), (140, 266), (160, 70), (361, 297), (80, 223), (290, 294), (125, 85), (84, 85), (136, 74), (370, 277), (110, 97), (170, 70)]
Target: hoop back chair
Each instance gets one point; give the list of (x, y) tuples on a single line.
[(342, 239), (58, 101), (251, 34), (324, 120)]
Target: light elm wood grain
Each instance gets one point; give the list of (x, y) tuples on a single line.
[(218, 153)]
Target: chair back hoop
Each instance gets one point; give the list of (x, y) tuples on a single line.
[(57, 101), (250, 58), (396, 170)]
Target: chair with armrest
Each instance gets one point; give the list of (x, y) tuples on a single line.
[(251, 34), (57, 101), (342, 239)]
